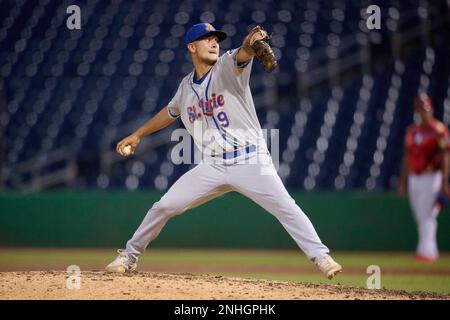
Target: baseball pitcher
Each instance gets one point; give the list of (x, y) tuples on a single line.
[(215, 104)]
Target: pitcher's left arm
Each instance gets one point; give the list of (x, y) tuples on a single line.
[(256, 43)]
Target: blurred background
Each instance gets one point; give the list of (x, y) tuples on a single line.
[(341, 98)]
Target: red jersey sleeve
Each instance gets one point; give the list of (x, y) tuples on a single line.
[(443, 136), (409, 138)]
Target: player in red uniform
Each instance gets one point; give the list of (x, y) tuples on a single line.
[(425, 174)]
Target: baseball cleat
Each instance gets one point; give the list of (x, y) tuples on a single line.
[(123, 263), (328, 266)]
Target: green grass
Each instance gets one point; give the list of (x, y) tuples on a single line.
[(398, 270), (424, 283)]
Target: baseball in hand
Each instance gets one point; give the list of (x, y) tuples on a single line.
[(127, 150)]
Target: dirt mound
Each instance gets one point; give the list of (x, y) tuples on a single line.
[(150, 286)]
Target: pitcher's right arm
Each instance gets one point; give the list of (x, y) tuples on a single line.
[(156, 123)]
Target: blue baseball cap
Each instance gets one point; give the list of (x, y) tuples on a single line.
[(201, 29)]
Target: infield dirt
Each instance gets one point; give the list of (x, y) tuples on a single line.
[(30, 285)]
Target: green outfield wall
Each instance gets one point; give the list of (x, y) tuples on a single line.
[(344, 221)]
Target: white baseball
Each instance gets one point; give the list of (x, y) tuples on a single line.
[(127, 150)]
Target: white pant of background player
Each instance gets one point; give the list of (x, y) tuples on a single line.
[(209, 180), (423, 190)]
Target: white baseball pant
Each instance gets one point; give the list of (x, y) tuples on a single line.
[(209, 180), (423, 189)]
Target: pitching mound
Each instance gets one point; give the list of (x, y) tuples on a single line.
[(147, 285)]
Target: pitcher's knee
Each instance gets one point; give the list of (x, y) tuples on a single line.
[(167, 209)]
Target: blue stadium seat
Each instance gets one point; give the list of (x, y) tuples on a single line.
[(73, 88)]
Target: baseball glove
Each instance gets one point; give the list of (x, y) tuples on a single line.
[(257, 43)]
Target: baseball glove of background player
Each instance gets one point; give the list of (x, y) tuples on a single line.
[(257, 43)]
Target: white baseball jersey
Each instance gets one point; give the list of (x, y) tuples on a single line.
[(221, 103), (218, 110)]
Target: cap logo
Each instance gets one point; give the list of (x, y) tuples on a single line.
[(209, 27)]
